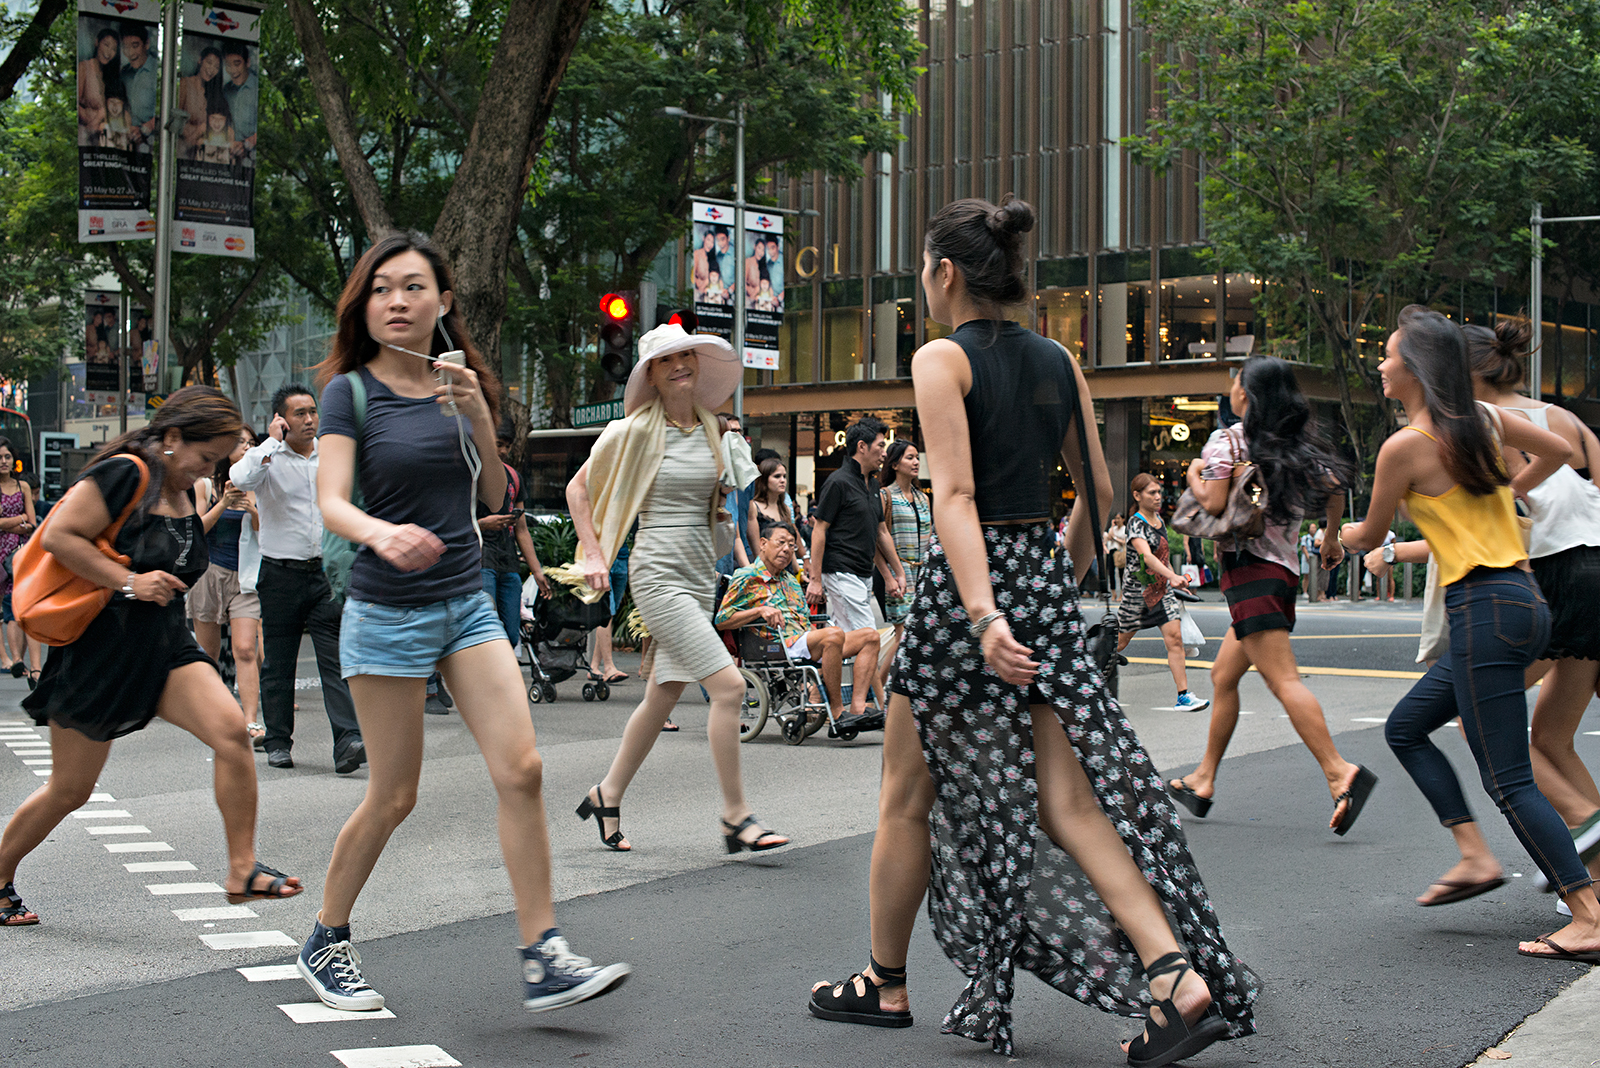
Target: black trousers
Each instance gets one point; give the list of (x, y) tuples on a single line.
[(295, 603)]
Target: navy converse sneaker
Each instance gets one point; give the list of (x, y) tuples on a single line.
[(554, 977), (330, 964)]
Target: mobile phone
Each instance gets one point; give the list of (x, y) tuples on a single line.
[(454, 356)]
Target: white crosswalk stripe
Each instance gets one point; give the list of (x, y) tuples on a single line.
[(164, 889), (248, 940), (219, 912), (396, 1057), (138, 847), (304, 1012), (269, 973)]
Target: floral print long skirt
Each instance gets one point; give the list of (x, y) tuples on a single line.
[(1002, 894)]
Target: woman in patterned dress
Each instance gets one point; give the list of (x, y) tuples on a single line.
[(1054, 845), (16, 523), (911, 526)]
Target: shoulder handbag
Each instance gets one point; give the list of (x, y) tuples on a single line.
[(1243, 517), (1101, 637), (55, 604), (339, 554)]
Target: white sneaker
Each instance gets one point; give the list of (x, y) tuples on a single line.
[(1190, 703)]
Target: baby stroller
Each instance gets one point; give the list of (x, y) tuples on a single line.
[(557, 640)]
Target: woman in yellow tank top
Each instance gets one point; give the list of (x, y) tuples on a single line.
[(1449, 473)]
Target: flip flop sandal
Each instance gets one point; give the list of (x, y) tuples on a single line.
[(1360, 790), (1184, 794), (275, 889), (669, 727), (842, 1003), (13, 913), (1579, 956), (616, 677), (1460, 891)]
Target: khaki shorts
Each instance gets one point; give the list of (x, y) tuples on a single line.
[(216, 598)]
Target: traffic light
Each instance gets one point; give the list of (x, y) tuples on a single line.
[(619, 315), (686, 318)]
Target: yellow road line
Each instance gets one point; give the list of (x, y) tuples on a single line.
[(1299, 637), (1358, 673)]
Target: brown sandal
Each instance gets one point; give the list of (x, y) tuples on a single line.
[(278, 888)]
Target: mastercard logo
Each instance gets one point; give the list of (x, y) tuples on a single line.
[(234, 244), (146, 226)]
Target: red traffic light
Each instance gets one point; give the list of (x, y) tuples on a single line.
[(614, 306)]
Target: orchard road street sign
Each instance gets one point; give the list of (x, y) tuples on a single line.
[(594, 414)]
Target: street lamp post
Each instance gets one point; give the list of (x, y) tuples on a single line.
[(1536, 296)]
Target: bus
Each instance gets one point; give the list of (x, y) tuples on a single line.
[(16, 427)]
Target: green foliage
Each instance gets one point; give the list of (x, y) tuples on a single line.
[(555, 540), (42, 270), (1363, 155)]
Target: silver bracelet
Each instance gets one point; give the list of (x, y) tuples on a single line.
[(127, 587), (981, 624)]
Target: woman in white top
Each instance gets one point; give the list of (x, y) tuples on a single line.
[(1564, 549)]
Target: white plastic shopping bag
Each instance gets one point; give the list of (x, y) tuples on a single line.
[(1193, 640)]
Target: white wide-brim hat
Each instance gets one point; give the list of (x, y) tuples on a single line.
[(719, 372)]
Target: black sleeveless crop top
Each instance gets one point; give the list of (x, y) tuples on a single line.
[(1019, 410)]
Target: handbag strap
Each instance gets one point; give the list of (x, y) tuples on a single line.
[(115, 528), (1088, 492)]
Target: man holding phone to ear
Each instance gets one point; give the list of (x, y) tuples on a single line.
[(296, 598)]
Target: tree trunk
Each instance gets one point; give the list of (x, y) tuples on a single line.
[(28, 45), (333, 97), (478, 220)]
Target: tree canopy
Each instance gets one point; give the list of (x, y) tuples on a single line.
[(1359, 156)]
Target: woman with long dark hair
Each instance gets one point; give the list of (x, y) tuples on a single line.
[(137, 659), (769, 503), (1564, 551), (403, 431), (1450, 475), (909, 516), (998, 713), (1261, 576), (17, 522)]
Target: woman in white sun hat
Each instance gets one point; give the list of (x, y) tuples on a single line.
[(661, 464)]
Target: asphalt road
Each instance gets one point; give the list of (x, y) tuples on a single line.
[(724, 950)]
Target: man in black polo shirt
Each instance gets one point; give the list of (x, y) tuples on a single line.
[(850, 532)]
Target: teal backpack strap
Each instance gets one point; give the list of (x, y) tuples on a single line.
[(358, 400), (338, 555)]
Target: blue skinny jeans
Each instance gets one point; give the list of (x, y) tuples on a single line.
[(1499, 624)]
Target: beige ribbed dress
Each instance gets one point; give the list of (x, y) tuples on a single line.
[(672, 569)]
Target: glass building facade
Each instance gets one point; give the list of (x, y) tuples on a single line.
[(1032, 97)]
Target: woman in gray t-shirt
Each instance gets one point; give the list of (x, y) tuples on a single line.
[(416, 603)]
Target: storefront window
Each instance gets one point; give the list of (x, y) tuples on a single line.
[(843, 345), (797, 339), (1064, 316)]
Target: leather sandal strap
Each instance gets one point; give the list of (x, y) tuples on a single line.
[(1172, 962), (890, 977)]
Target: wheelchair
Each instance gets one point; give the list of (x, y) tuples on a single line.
[(781, 689)]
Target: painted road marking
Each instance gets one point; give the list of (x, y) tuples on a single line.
[(44, 772), (138, 847), (396, 1057), (126, 828), (248, 940), (219, 912), (19, 743), (1592, 734), (1359, 673), (269, 973), (164, 889), (104, 814), (46, 760), (1369, 719), (160, 865), (99, 797), (304, 1012)]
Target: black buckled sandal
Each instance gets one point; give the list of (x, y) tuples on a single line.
[(278, 888), (844, 1003), (601, 813), (13, 913), (1174, 1040), (761, 844)]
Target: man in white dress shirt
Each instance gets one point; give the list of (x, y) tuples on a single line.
[(295, 596)]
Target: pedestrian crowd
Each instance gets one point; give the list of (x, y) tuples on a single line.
[(382, 520)]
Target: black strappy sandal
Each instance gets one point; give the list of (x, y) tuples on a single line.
[(601, 813), (730, 835), (274, 891), (1174, 1040), (841, 1002), (13, 913)]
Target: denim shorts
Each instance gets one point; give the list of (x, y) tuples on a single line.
[(401, 642)]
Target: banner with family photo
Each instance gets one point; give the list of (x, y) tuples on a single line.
[(219, 90), (103, 342), (714, 268), (119, 104), (756, 262), (763, 288)]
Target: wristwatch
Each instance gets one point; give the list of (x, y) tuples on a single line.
[(127, 587), (1388, 554)]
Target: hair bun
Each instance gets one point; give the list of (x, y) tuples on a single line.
[(1013, 216), (1512, 338)]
